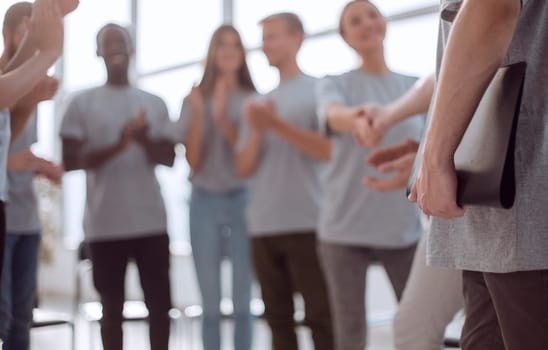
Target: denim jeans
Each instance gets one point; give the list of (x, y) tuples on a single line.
[(215, 219), (18, 289)]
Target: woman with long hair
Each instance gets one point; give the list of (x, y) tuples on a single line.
[(359, 226), (210, 119)]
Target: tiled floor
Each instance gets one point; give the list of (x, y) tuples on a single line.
[(136, 338), (380, 303)]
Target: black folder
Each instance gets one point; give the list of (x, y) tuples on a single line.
[(484, 159)]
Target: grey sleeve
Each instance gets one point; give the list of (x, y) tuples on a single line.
[(72, 125), (327, 92), (162, 127)]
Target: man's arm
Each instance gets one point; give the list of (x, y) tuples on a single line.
[(309, 142), (27, 161), (343, 119), (370, 131), (415, 101), (74, 157), (158, 151), (482, 30), (396, 160), (30, 43), (25, 108), (46, 32)]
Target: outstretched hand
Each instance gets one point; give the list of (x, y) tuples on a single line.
[(398, 160)]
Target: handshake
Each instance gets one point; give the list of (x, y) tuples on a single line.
[(371, 123), (370, 126)]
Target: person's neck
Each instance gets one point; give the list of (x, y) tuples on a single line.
[(289, 69), (373, 62), (118, 81), (231, 81)]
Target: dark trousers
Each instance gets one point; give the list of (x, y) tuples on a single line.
[(507, 311), (287, 264), (151, 255)]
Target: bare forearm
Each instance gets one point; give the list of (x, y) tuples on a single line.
[(483, 30), (248, 158), (415, 101), (193, 144), (19, 82), (341, 118), (309, 142), (25, 52), (79, 160), (230, 132), (159, 151)]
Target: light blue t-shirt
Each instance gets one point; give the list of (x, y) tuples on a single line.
[(22, 207), (123, 198), (352, 213), (284, 190), (216, 173), (5, 137)]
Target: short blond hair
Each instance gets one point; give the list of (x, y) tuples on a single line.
[(293, 22)]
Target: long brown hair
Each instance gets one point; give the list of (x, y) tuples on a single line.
[(211, 73), (345, 8)]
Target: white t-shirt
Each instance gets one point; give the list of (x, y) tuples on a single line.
[(123, 196)]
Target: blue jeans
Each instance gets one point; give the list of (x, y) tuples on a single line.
[(212, 218), (18, 289)]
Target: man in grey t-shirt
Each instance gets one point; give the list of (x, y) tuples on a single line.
[(502, 252), (280, 150), (118, 134)]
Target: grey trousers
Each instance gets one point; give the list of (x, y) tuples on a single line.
[(345, 269)]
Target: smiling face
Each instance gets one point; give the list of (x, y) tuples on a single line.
[(281, 43), (229, 53), (114, 46), (363, 27)]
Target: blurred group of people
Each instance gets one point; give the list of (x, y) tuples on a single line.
[(302, 188)]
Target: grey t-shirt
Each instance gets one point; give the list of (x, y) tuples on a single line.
[(22, 207), (5, 137), (284, 190), (123, 196), (353, 214), (216, 173), (496, 240)]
